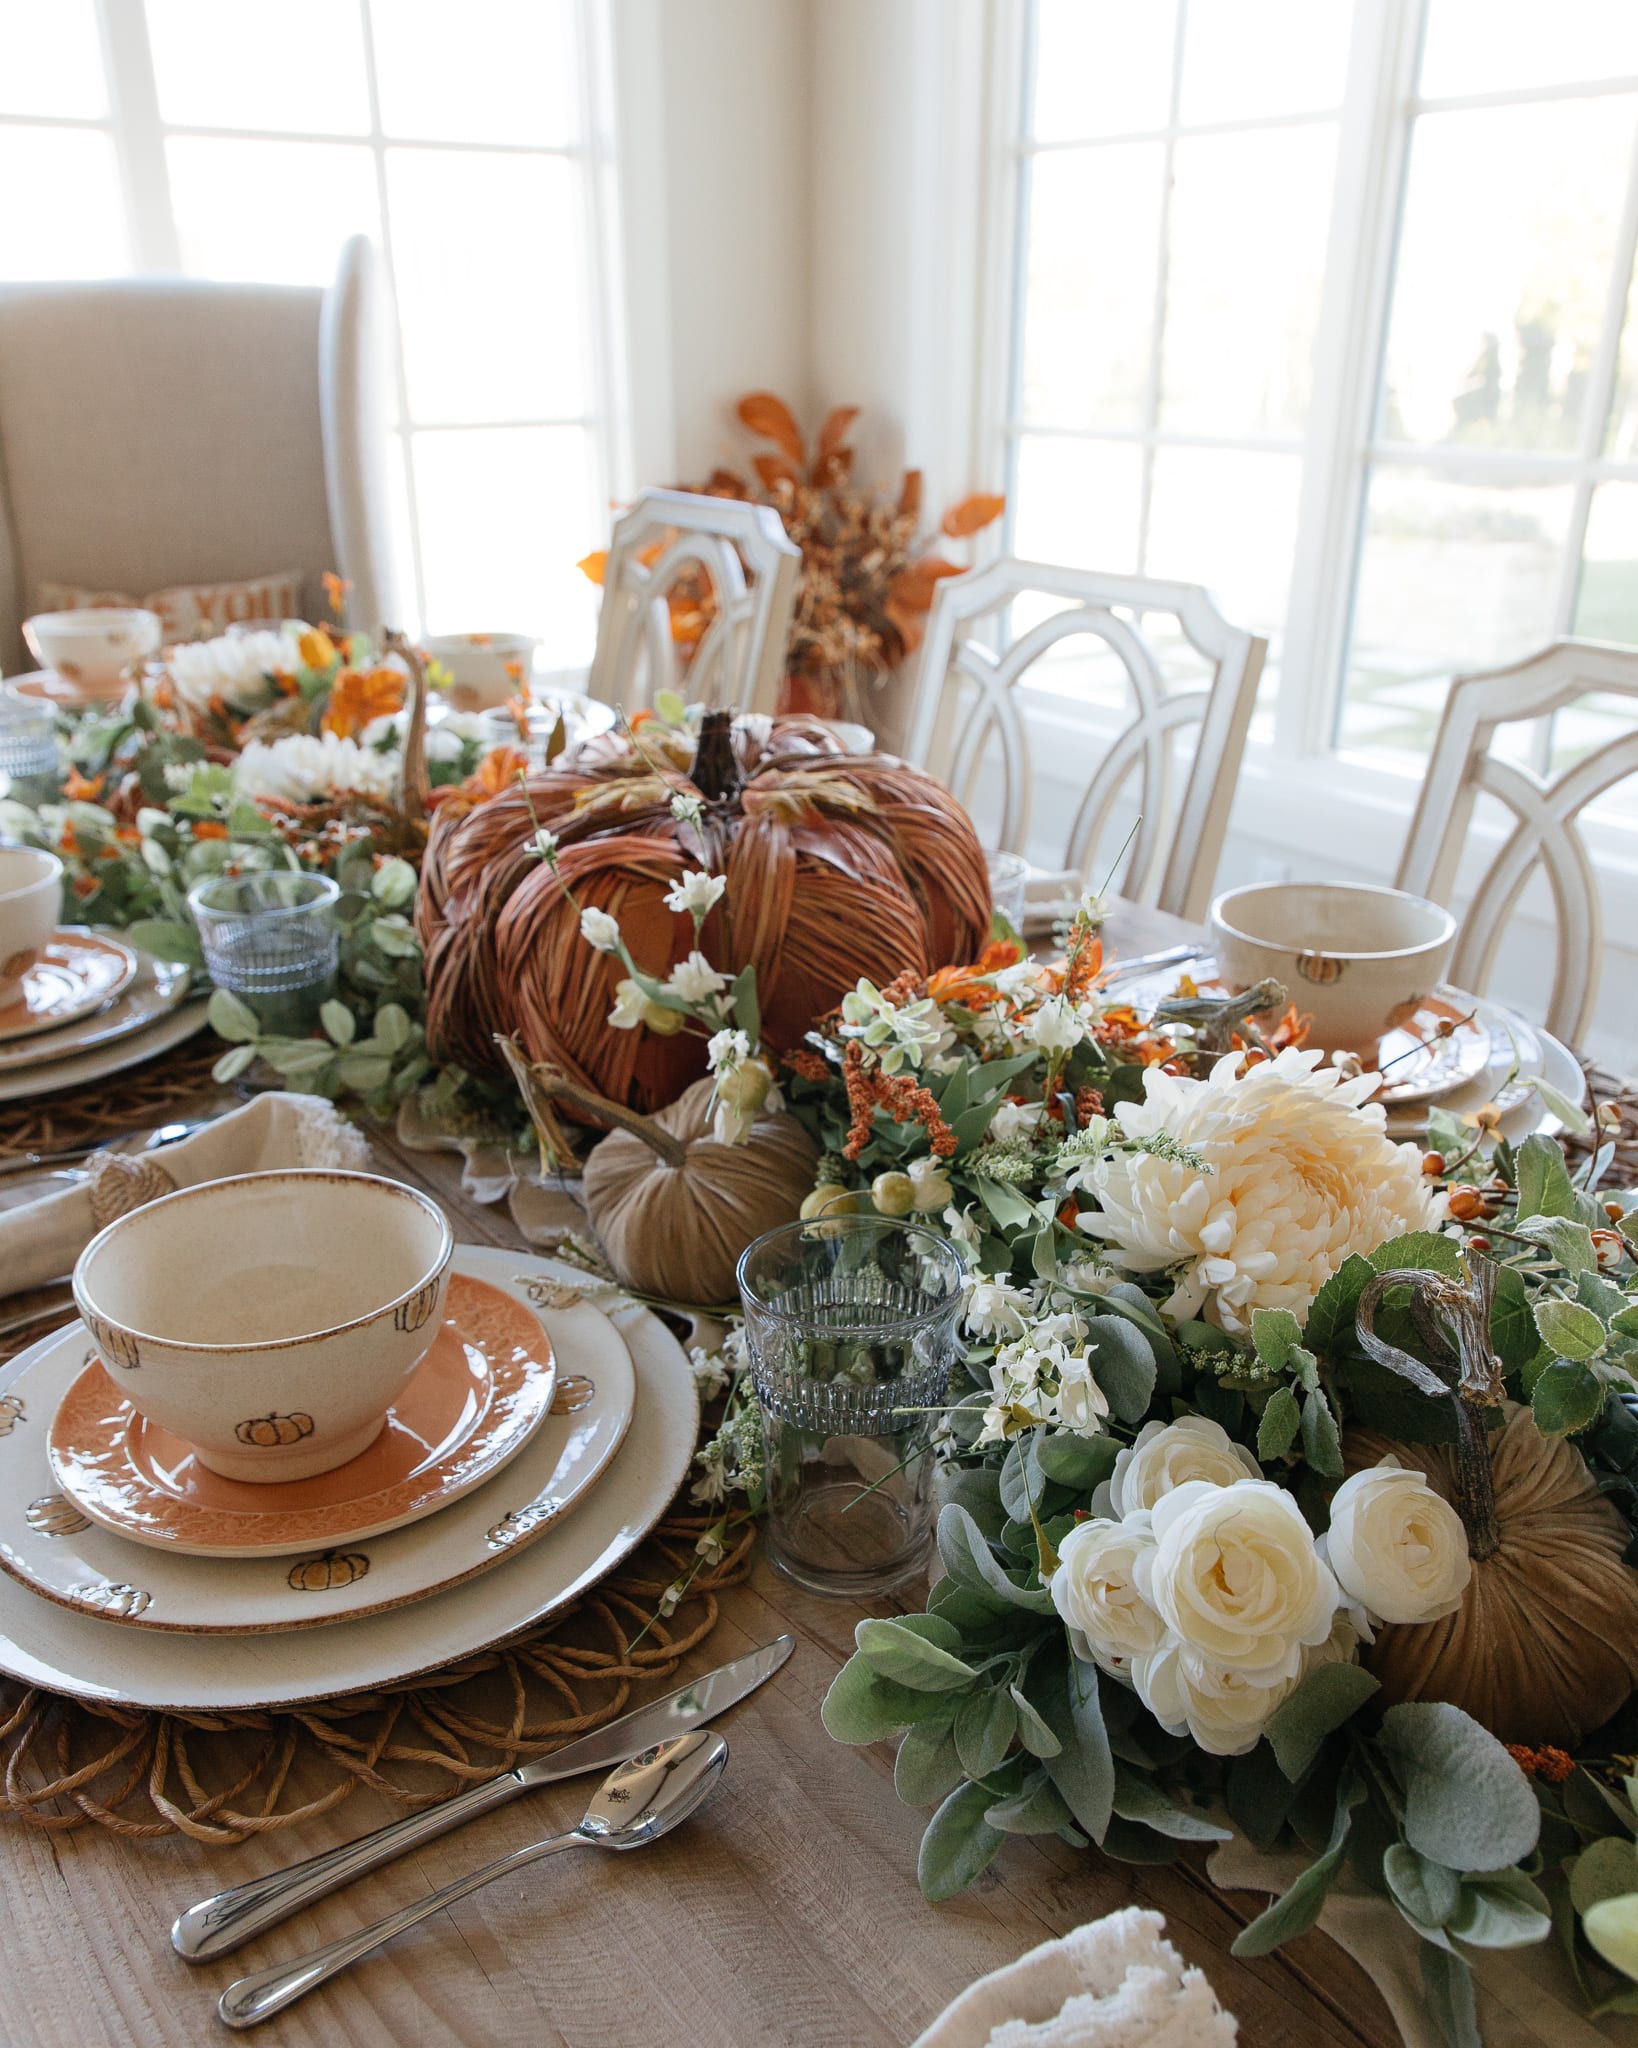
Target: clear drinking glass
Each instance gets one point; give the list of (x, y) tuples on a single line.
[(271, 940), (851, 1327), (28, 751), (1009, 886)]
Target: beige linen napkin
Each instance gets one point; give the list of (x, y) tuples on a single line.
[(1114, 1983), (1526, 1997), (41, 1240)]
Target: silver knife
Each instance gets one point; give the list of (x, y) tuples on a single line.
[(216, 1925)]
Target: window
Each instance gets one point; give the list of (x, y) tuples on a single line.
[(1325, 305), (248, 142)]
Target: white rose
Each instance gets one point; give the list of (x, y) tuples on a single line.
[(694, 979), (1095, 1590), (598, 929), (1396, 1546), (1235, 1574), (1222, 1707), (1168, 1454)]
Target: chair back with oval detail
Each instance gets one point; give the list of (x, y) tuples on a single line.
[(967, 721), (751, 565), (1544, 810)]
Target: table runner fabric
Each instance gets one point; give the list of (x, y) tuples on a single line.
[(1114, 1983), (41, 1240)]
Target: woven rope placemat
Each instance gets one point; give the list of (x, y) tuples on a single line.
[(69, 1117)]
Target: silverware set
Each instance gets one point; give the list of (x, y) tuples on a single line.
[(666, 1762)]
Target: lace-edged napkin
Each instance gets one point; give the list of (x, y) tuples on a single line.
[(1114, 1983), (40, 1241)]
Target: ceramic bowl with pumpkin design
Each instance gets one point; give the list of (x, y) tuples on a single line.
[(31, 894), (270, 1319), (1357, 960), (95, 649)]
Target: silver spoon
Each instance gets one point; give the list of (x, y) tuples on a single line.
[(638, 1801)]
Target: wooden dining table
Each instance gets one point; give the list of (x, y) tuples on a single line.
[(785, 1914)]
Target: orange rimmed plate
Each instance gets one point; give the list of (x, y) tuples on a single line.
[(77, 972), (484, 1388)]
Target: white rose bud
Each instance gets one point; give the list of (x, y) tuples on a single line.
[(1055, 1027), (1396, 1546), (1095, 1590), (1166, 1454), (598, 929), (1236, 1575), (1223, 1708)]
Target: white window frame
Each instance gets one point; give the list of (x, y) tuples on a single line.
[(608, 152)]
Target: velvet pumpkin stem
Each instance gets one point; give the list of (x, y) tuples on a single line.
[(1453, 1321), (544, 1084)]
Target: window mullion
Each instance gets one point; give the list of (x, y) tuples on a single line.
[(1163, 260), (139, 137)]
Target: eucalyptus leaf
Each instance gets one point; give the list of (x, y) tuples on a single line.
[(234, 1020), (958, 1844), (1467, 1803), (1327, 1699), (167, 939), (393, 1026), (1081, 1462), (297, 1058), (363, 1072)]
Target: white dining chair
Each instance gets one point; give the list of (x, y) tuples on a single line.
[(967, 725), (159, 432), (1544, 811), (739, 662)]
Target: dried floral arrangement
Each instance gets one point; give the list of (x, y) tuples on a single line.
[(868, 571)]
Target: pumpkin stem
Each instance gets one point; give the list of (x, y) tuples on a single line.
[(542, 1085), (715, 772), (1453, 1320)]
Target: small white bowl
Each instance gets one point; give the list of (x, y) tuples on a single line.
[(486, 668), (31, 895), (270, 1319), (93, 649), (1356, 958)]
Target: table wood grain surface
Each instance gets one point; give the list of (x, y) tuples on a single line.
[(785, 1915)]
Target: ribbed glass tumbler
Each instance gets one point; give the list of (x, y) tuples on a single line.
[(851, 1326), (272, 940)]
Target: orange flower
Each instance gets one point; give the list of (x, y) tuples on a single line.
[(594, 566), (68, 840), (497, 771), (335, 590), (81, 789), (968, 985), (358, 696), (210, 828), (316, 648), (1550, 1763), (85, 886)]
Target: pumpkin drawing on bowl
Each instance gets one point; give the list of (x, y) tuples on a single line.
[(265, 1431), (327, 1572)]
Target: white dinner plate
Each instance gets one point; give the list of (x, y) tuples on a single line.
[(41, 1077), (51, 1646), (155, 992)]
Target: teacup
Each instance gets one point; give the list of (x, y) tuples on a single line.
[(1356, 958), (31, 894), (485, 668), (270, 1319), (95, 648)]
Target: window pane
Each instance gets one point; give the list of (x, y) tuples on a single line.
[(1101, 70), (1228, 520), (504, 516), (1078, 503), (74, 222), (1242, 58), (1089, 284), (1454, 576), (1621, 433), (269, 212), (1504, 262), (1249, 222), (1607, 604), (491, 284), (51, 59), (284, 64), (1491, 45), (486, 71)]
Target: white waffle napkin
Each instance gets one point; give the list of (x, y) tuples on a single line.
[(41, 1240), (1114, 1983)]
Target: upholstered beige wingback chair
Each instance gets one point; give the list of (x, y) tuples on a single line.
[(157, 432)]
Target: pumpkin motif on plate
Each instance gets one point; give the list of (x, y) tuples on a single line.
[(838, 866), (521, 1522), (11, 1413), (264, 1431), (114, 1598), (328, 1571), (54, 1514)]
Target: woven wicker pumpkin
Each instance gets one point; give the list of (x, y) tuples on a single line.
[(1544, 1647), (838, 866)]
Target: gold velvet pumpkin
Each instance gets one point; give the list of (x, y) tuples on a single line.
[(1544, 1647), (838, 866), (673, 1208)]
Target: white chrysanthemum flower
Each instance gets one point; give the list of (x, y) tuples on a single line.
[(1264, 1185), (235, 668), (305, 768)]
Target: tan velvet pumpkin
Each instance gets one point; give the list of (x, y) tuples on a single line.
[(672, 1207), (1544, 1647)]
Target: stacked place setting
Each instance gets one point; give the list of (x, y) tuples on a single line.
[(1364, 967), (295, 1413)]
